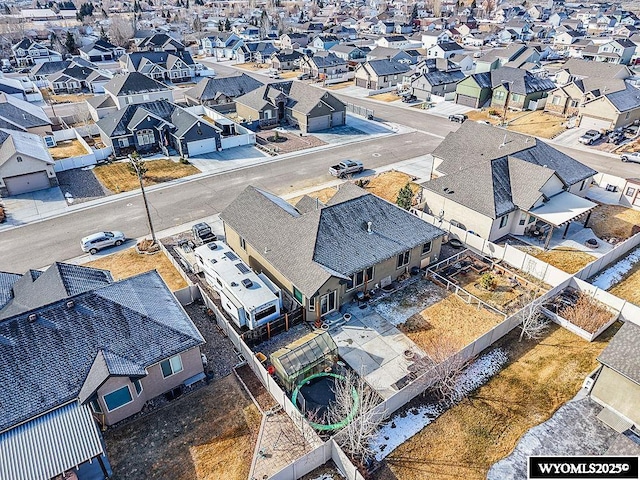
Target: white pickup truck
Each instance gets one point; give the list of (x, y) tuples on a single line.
[(346, 167)]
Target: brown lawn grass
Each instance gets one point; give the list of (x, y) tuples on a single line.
[(68, 98), (567, 259), (500, 297), (117, 177), (324, 195), (476, 115), (387, 185), (538, 123), (128, 263), (67, 148), (251, 66), (290, 74), (207, 435), (452, 317), (467, 439), (629, 288), (341, 85), (609, 221), (385, 97)]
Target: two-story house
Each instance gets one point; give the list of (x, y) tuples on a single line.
[(444, 50), (28, 52), (220, 92), (379, 74), (176, 67), (101, 51), (160, 42), (325, 65), (135, 87), (616, 51), (392, 41)]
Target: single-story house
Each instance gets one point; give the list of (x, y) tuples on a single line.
[(379, 74), (285, 60), (76, 78), (79, 349), (158, 127), (495, 182), (377, 241), (221, 91), (136, 87), (25, 163), (296, 103), (16, 114), (348, 52)]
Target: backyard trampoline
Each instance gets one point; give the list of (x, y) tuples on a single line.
[(314, 395)]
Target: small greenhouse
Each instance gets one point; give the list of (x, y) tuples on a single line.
[(308, 355)]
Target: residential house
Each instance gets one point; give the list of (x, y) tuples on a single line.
[(21, 88), (444, 50), (294, 41), (617, 383), (220, 92), (392, 41), (564, 39), (433, 37), (160, 42), (323, 42), (135, 87), (40, 71), (616, 51), (285, 60), (518, 89), (489, 61), (518, 56), (475, 90), (176, 67), (380, 74), (464, 62), (101, 51), (158, 127), (309, 109), (496, 182), (394, 54), (612, 109), (567, 100), (258, 52), (576, 68), (28, 52), (377, 241), (99, 349), (323, 65), (222, 45), (16, 114), (76, 78), (347, 52), (100, 106), (440, 81), (25, 163)]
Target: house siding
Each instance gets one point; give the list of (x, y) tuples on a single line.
[(471, 219), (152, 385)]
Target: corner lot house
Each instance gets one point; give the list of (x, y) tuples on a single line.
[(496, 182), (25, 163), (353, 243), (78, 348), (617, 385)]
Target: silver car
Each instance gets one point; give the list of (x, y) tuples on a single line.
[(100, 240), (630, 157)]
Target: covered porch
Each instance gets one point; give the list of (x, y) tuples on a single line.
[(558, 213)]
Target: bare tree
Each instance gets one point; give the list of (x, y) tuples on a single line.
[(445, 366), (586, 313), (120, 31), (533, 324), (81, 113), (355, 438)]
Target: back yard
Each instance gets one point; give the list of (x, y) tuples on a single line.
[(535, 123), (567, 259), (209, 434), (67, 148), (117, 177), (467, 439), (614, 221)]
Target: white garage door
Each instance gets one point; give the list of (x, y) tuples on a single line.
[(337, 118), (594, 123), (27, 183), (201, 146), (319, 123)]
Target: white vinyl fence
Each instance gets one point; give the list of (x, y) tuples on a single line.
[(92, 157)]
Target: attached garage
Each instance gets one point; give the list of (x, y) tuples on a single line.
[(337, 118), (594, 123), (319, 123), (467, 100), (361, 82), (201, 147), (29, 182)]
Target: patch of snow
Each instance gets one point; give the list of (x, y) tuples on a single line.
[(69, 197), (90, 167), (617, 271), (412, 299), (402, 426)]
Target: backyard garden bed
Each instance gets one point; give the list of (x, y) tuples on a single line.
[(117, 177), (67, 149), (580, 309)]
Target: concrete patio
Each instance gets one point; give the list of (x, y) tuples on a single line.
[(576, 237)]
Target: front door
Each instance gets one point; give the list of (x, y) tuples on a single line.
[(328, 302)]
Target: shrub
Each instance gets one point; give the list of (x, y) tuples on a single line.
[(184, 161), (488, 281), (494, 113), (586, 313)]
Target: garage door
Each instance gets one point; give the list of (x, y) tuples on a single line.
[(361, 82), (201, 146), (27, 183), (319, 123), (466, 100), (594, 123), (337, 118)]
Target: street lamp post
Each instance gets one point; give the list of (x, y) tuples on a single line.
[(135, 162)]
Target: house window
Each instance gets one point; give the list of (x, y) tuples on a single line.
[(297, 294), (358, 278), (18, 158), (267, 114), (630, 192), (626, 117), (312, 304), (128, 100), (531, 219), (583, 184), (49, 141), (171, 366), (145, 97), (523, 218), (516, 98), (403, 259), (146, 137), (499, 95), (573, 103), (426, 248), (118, 398), (328, 302), (95, 405), (503, 221), (243, 244), (138, 386), (123, 142)]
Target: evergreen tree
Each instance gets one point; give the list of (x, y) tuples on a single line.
[(227, 25), (197, 25), (220, 26), (186, 4), (103, 34), (70, 43), (405, 196), (150, 2)]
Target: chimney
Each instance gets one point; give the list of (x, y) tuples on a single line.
[(369, 227), (32, 317), (70, 304)]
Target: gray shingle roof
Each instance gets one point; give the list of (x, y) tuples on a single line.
[(384, 66), (211, 88), (119, 122), (438, 77), (164, 59), (586, 68), (625, 100), (327, 240), (623, 352), (132, 83), (520, 81), (6, 284), (46, 361)]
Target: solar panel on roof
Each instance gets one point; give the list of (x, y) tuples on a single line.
[(231, 256), (242, 267)]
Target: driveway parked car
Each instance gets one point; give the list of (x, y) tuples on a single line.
[(458, 118), (589, 137), (630, 157), (616, 136), (98, 241), (408, 98)]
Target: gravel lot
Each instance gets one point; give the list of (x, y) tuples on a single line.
[(82, 185)]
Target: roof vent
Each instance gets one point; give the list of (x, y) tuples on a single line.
[(32, 317), (369, 227), (70, 304), (247, 283), (213, 246), (234, 284)]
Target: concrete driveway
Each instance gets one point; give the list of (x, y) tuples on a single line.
[(570, 137), (216, 162), (29, 207)]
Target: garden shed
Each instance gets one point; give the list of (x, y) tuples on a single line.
[(307, 355)]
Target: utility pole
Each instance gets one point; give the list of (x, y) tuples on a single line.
[(139, 171), (507, 85)]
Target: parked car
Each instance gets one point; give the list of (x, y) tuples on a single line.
[(616, 136), (589, 137), (457, 117), (409, 98), (631, 131), (346, 167), (202, 233), (304, 76), (630, 157), (273, 74), (97, 241)]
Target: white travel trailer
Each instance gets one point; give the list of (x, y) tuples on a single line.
[(250, 299)]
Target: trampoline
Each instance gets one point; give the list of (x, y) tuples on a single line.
[(315, 394)]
